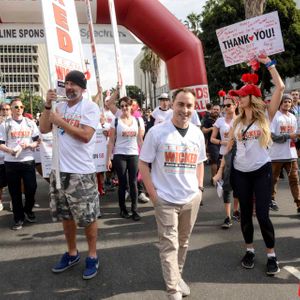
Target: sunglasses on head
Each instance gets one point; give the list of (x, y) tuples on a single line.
[(18, 107)]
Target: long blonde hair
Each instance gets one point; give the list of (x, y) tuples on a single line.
[(258, 114)]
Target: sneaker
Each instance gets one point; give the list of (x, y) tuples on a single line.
[(124, 214), (273, 206), (30, 217), (185, 289), (91, 267), (136, 216), (36, 205), (176, 296), (1, 206), (248, 260), (143, 198), (236, 216), (227, 223), (18, 225), (67, 261), (272, 266)]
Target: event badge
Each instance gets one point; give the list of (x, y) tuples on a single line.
[(241, 148)]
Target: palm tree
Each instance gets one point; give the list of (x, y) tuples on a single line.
[(144, 68), (254, 8), (151, 65), (192, 22)]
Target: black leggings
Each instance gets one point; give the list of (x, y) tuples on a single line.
[(256, 184), (122, 164)]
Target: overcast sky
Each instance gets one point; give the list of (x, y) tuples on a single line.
[(105, 53)]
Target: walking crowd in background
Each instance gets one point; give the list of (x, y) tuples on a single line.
[(157, 156)]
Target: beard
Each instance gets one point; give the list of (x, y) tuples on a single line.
[(72, 95)]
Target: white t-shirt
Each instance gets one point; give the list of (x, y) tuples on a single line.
[(161, 115), (127, 136), (174, 161), (282, 124), (14, 134), (224, 129), (76, 156), (195, 119), (110, 117), (250, 156)]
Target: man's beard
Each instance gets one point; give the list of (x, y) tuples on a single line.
[(71, 95)]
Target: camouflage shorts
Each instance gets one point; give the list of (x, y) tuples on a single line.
[(76, 200)]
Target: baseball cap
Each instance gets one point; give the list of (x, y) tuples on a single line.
[(248, 89), (163, 96)]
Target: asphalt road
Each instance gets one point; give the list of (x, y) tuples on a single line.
[(129, 259)]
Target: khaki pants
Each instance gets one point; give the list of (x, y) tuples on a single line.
[(292, 171), (174, 224)]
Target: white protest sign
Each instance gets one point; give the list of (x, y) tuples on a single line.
[(99, 155), (202, 96), (46, 153), (243, 41)]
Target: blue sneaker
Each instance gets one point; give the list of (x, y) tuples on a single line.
[(91, 267), (67, 261)]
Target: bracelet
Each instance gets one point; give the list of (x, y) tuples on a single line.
[(201, 188), (271, 63)]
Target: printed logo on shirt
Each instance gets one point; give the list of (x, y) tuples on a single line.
[(226, 134), (129, 133), (73, 120), (286, 128), (180, 159), (250, 135), (20, 134)]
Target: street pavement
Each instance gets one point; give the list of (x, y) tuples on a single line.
[(129, 259)]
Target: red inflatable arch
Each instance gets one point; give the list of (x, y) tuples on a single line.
[(152, 23)]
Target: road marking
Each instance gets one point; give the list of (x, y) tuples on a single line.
[(293, 271)]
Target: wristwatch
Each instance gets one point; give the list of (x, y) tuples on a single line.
[(201, 188)]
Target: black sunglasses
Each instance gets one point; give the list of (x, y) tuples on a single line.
[(17, 107), (227, 105)]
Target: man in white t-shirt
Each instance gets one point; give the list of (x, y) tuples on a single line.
[(176, 150), (18, 138), (163, 112), (76, 203), (283, 151)]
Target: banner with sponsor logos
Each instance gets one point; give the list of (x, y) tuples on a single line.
[(31, 34), (244, 40), (100, 151)]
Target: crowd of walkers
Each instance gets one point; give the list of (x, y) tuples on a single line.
[(157, 156)]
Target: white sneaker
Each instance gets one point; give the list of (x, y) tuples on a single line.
[(1, 206), (176, 296), (127, 196), (143, 198), (185, 289)]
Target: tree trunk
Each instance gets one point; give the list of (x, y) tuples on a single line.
[(154, 94), (254, 8), (150, 90), (146, 94)]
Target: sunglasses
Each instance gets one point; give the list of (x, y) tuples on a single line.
[(18, 107), (124, 105), (227, 105)]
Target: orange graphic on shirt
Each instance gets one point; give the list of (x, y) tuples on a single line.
[(287, 129), (20, 134), (129, 133), (180, 157)]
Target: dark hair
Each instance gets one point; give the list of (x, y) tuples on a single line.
[(184, 90), (127, 100), (208, 106)]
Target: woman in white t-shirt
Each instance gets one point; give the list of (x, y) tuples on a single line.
[(223, 126), (252, 171), (126, 135)]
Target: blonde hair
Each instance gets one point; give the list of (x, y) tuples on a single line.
[(258, 114)]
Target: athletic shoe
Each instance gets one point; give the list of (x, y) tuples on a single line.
[(66, 262), (273, 206), (236, 216), (272, 266), (18, 225), (36, 205), (136, 216), (176, 296), (227, 223), (185, 289), (142, 198), (1, 206), (124, 214), (91, 267), (248, 260), (30, 217)]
